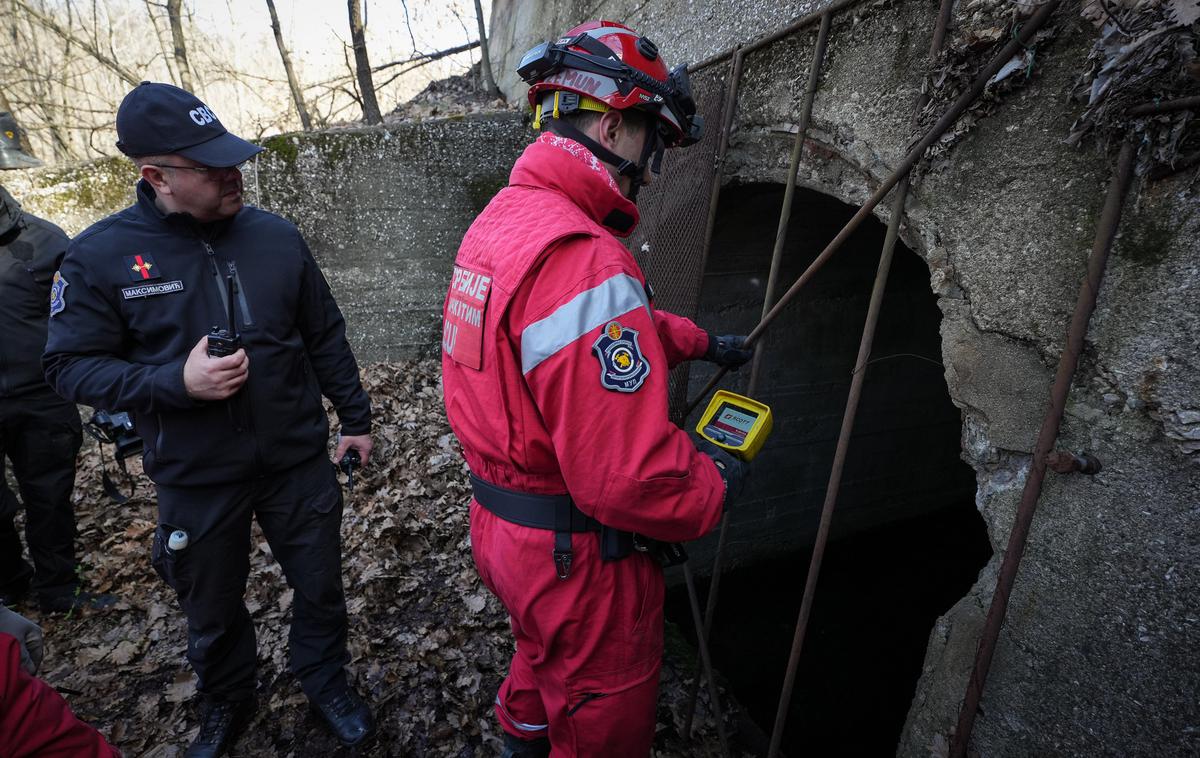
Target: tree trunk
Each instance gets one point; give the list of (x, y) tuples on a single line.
[(293, 83), (485, 62), (362, 64), (174, 8)]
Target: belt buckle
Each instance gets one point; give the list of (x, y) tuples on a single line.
[(562, 563)]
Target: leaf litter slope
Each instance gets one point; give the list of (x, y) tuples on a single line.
[(429, 644)]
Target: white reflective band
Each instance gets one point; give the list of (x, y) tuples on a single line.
[(519, 724), (586, 311)]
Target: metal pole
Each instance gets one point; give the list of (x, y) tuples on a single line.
[(839, 460), (1018, 41), (789, 192), (735, 81), (727, 117), (814, 74), (765, 39), (1106, 230), (1166, 106), (702, 641)]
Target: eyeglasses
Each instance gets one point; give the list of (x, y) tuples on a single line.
[(212, 172)]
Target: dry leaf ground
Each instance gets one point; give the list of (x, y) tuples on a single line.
[(429, 643)]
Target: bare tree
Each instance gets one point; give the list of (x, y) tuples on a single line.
[(174, 12), (362, 64), (168, 59), (485, 62), (88, 46), (293, 82)]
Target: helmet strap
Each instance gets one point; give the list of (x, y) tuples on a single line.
[(635, 172)]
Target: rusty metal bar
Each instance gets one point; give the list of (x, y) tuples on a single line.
[(839, 460), (731, 98), (735, 78), (763, 40), (1106, 230), (702, 643), (1019, 40), (810, 90), (852, 400), (789, 192), (1165, 106)]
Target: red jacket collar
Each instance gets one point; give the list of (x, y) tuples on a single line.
[(562, 165)]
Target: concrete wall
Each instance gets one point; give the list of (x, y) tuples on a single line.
[(1097, 656), (382, 209)]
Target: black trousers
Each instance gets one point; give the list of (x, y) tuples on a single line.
[(300, 513), (40, 434)]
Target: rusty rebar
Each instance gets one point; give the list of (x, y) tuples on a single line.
[(1106, 230), (789, 192), (1018, 41), (1165, 106), (731, 98), (858, 379), (702, 631), (702, 643), (839, 460), (810, 90), (763, 40)]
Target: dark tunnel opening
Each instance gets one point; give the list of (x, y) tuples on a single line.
[(907, 541)]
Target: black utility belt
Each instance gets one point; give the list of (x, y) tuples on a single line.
[(556, 513)]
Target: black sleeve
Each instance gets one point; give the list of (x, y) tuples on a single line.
[(324, 332), (83, 346)]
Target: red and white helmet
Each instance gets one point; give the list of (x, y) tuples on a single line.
[(608, 65)]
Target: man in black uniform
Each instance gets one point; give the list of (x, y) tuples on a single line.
[(226, 438), (39, 431)]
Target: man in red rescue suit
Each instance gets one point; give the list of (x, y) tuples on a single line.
[(555, 368)]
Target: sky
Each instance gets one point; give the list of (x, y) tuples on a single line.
[(315, 30)]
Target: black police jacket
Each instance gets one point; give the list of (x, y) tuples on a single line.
[(27, 265), (136, 292)]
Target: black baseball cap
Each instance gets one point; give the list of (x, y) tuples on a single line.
[(157, 119)]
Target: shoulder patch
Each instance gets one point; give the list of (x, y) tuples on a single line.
[(623, 368), (58, 294)]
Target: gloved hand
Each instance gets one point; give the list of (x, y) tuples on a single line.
[(28, 634), (728, 350), (733, 470)]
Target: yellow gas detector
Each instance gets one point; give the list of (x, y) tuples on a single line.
[(735, 423)]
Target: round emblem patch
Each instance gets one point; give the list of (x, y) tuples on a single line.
[(623, 368)]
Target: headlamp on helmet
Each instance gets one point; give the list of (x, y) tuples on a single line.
[(610, 64)]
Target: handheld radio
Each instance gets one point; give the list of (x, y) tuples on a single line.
[(736, 424), (222, 342)]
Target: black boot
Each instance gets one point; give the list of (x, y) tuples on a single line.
[(348, 717), (74, 601), (518, 748), (221, 721)]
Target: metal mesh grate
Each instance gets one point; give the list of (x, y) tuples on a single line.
[(669, 242)]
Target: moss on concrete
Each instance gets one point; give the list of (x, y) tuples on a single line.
[(1148, 233)]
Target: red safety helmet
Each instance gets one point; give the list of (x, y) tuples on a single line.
[(608, 65)]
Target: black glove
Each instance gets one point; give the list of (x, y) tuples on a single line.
[(728, 350), (733, 470)]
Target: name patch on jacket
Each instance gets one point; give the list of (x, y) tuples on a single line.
[(462, 327), (58, 294), (149, 290), (141, 267), (623, 368)]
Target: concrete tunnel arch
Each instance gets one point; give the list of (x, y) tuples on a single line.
[(907, 540)]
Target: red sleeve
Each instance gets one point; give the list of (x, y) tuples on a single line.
[(35, 720), (681, 339), (597, 371)]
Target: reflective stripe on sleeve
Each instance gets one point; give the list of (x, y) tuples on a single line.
[(586, 311)]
